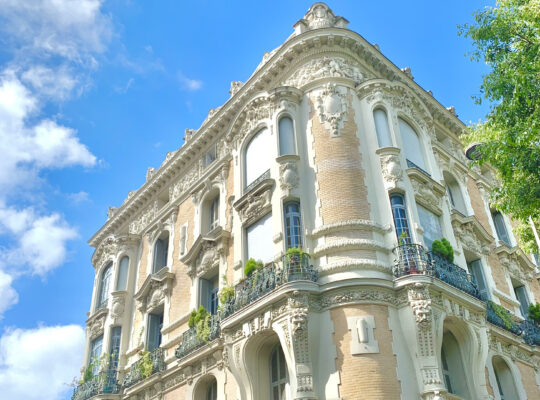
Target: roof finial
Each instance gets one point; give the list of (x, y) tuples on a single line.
[(319, 16)]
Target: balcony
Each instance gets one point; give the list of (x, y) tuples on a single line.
[(103, 383), (410, 164), (500, 316), (415, 259), (265, 175), (267, 279), (192, 340), (141, 369)]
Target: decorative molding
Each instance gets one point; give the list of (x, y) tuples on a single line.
[(516, 262), (331, 105), (471, 234), (390, 166), (96, 323), (118, 306), (362, 338), (289, 178), (110, 247), (154, 290), (235, 87), (348, 225), (428, 193), (206, 252), (256, 203)]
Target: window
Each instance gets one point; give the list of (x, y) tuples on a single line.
[(183, 239), (521, 296), (453, 367), (453, 191), (399, 212), (411, 144), (258, 156), (286, 136), (211, 392), (477, 272), (161, 250), (214, 213), (500, 227), (505, 381), (381, 127), (155, 323), (431, 226), (123, 269), (114, 349), (208, 293), (104, 287), (279, 378), (210, 156), (95, 354), (293, 225), (260, 245)]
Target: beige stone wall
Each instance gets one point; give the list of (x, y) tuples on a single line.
[(176, 394), (477, 204), (498, 273), (231, 387), (488, 385), (366, 376), (229, 186), (528, 380)]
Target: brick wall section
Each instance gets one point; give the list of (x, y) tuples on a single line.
[(528, 381), (229, 186), (177, 394), (365, 376), (477, 204), (497, 271), (342, 190), (181, 288)]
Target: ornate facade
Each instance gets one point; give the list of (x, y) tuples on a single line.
[(332, 151)]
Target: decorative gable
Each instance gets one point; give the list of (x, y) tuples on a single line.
[(154, 290)]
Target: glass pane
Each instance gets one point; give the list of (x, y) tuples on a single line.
[(259, 240), (274, 367), (431, 225), (411, 144), (286, 136), (275, 394), (381, 128), (258, 156), (123, 270)]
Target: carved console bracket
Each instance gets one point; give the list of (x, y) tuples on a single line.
[(391, 167), (154, 290), (256, 203), (206, 251)]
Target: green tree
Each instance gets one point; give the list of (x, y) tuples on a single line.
[(507, 38)]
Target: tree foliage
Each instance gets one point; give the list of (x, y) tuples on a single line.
[(507, 38)]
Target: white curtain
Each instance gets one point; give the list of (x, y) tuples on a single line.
[(431, 226), (259, 240), (381, 126), (258, 156), (286, 136), (411, 144), (121, 284)]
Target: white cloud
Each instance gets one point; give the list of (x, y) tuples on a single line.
[(53, 83), (9, 296), (79, 197), (40, 363), (189, 84), (125, 88)]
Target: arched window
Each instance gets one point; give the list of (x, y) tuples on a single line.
[(286, 136), (214, 213), (401, 222), (453, 367), (500, 227), (123, 269), (211, 392), (411, 145), (454, 193), (381, 127), (279, 378), (96, 347), (258, 156), (104, 287), (505, 380), (161, 250), (293, 224)]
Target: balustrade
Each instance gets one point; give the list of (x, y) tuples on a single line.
[(103, 383), (137, 370)]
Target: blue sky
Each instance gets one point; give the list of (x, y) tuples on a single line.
[(94, 92)]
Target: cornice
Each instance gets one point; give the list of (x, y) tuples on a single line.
[(338, 39)]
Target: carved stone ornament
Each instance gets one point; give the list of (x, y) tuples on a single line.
[(326, 67), (256, 203), (516, 262), (332, 108), (96, 323), (142, 221), (118, 306), (154, 290), (206, 252), (317, 17), (471, 234), (109, 248), (427, 192), (288, 173), (235, 87), (421, 304), (390, 166)]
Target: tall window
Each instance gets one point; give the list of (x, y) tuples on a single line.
[(505, 380), (214, 213), (381, 127), (208, 293), (500, 227), (114, 349), (211, 392), (286, 136), (123, 269), (210, 156), (454, 193), (411, 144), (431, 226), (161, 250), (293, 224), (279, 378), (477, 272), (522, 297), (104, 287), (258, 156), (155, 323), (401, 223), (260, 245), (95, 353), (453, 367)]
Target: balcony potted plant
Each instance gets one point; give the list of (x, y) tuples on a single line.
[(444, 249), (534, 313)]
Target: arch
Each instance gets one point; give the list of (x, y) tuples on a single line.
[(505, 383), (206, 388), (104, 286), (412, 145), (454, 192), (161, 251), (286, 133), (257, 156), (382, 128)]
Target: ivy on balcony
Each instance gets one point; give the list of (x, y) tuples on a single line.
[(103, 383), (149, 364), (195, 337)]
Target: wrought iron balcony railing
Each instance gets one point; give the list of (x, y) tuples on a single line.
[(264, 175), (500, 316), (137, 370), (294, 267), (415, 259), (192, 340), (103, 383), (530, 332)]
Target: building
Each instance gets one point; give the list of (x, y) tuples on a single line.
[(332, 151)]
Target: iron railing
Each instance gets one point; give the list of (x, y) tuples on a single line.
[(530, 332), (410, 164), (191, 341), (294, 267), (136, 374), (415, 259), (265, 175), (103, 383), (500, 316), (102, 305)]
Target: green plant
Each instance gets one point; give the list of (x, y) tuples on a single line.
[(88, 374), (251, 265), (200, 320), (196, 316), (226, 293), (145, 365), (296, 251), (503, 314), (534, 313), (403, 238), (444, 249)]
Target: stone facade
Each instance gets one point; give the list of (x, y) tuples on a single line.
[(367, 315)]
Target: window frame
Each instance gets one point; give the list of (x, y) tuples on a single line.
[(104, 290), (405, 217), (289, 217), (281, 364)]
